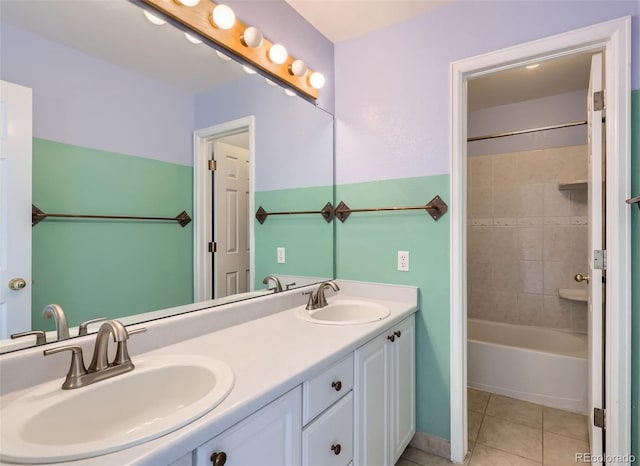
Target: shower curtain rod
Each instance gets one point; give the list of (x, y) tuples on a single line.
[(525, 131)]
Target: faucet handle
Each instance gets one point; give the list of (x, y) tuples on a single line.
[(84, 326), (41, 337), (289, 285), (311, 303), (76, 369)]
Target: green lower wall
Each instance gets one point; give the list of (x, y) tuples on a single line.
[(307, 239), (108, 268), (635, 276), (366, 250)]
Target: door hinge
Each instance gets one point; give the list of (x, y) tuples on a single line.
[(213, 247), (598, 101), (599, 418), (600, 259), (213, 165)]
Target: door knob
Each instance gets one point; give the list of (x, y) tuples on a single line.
[(17, 284), (579, 278)]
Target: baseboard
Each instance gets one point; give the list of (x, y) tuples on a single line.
[(431, 444)]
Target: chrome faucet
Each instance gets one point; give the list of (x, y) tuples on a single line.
[(55, 312), (100, 368), (278, 286), (318, 300)]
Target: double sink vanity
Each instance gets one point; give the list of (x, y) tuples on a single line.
[(283, 379)]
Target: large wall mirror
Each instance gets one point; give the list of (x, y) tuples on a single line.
[(120, 109)]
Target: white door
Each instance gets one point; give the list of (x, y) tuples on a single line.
[(231, 220), (15, 208), (596, 223)]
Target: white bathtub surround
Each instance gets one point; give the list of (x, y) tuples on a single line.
[(527, 238), (535, 364), (269, 350)]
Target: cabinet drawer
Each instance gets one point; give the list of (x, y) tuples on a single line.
[(328, 441), (325, 389)]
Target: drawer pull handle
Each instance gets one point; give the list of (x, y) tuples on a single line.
[(336, 449), (398, 333), (337, 385), (218, 458), (391, 338)]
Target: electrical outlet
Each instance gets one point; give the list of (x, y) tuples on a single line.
[(280, 255), (403, 261)]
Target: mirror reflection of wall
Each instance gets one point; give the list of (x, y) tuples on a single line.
[(113, 139)]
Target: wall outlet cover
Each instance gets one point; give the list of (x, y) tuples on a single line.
[(403, 261), (280, 255)]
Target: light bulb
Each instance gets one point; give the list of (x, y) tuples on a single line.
[(248, 69), (193, 39), (269, 82), (278, 54), (252, 37), (316, 80), (289, 92), (153, 18), (223, 17), (222, 56), (188, 2), (298, 68)]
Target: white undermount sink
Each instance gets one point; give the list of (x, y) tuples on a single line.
[(163, 393), (345, 312)]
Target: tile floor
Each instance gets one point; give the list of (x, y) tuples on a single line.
[(508, 432)]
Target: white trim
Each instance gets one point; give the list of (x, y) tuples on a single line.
[(615, 38), (202, 233)]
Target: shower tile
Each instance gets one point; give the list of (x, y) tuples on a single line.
[(480, 172), (504, 308), (480, 201), (487, 456), (503, 242), (480, 277), (480, 304), (565, 243), (481, 242), (566, 423), (530, 167), (558, 164), (529, 221), (481, 222), (561, 451), (531, 277), (506, 201), (558, 275), (505, 171), (474, 420), (530, 309), (579, 156), (579, 317), (579, 203), (505, 221), (506, 275), (477, 400), (556, 203), (530, 243), (556, 312), (517, 411), (511, 437), (557, 220), (531, 201), (579, 221)]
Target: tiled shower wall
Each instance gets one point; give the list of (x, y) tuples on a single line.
[(527, 238)]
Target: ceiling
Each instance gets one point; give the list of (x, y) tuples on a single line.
[(163, 53)]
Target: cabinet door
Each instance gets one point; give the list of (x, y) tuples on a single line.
[(403, 412), (372, 403), (269, 437)]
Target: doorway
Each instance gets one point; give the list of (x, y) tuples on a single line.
[(224, 180), (613, 38)]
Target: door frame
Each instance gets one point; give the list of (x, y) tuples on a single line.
[(203, 261), (614, 37)]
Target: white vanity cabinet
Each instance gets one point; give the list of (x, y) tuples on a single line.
[(385, 395), (269, 437)]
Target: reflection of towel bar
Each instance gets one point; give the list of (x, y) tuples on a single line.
[(37, 216), (436, 208), (326, 212), (634, 200)]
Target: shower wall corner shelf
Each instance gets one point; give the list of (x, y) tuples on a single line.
[(327, 213), (578, 184), (37, 216)]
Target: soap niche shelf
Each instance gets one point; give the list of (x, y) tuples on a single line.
[(574, 295), (572, 185)]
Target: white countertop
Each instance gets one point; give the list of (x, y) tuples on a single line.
[(269, 356)]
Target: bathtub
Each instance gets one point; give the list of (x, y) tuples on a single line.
[(544, 366)]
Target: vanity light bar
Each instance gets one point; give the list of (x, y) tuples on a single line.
[(199, 19)]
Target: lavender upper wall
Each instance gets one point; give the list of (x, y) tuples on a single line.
[(83, 101), (280, 23), (392, 97)]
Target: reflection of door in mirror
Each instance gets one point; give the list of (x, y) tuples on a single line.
[(15, 229), (231, 272)]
